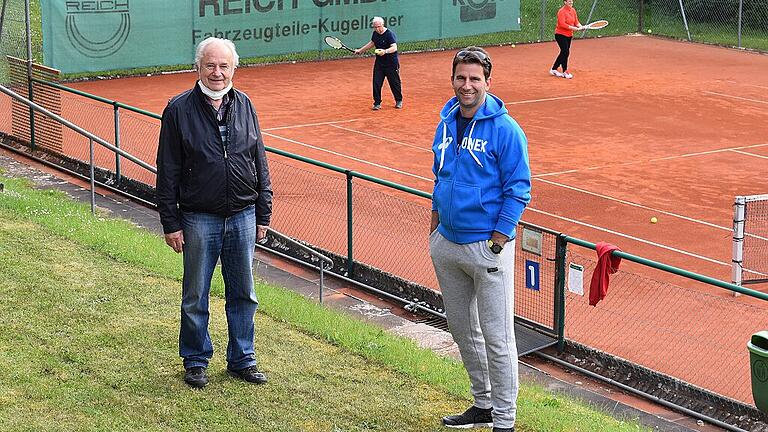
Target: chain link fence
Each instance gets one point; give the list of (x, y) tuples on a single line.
[(13, 35), (739, 23), (678, 327)]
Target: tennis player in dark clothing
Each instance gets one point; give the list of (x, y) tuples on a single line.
[(387, 64)]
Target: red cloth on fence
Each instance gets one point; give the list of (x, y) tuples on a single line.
[(606, 264)]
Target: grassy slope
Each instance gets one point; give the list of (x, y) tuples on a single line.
[(95, 348)]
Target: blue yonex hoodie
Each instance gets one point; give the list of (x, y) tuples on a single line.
[(482, 180)]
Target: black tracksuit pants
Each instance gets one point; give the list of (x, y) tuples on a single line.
[(564, 42), (392, 74)]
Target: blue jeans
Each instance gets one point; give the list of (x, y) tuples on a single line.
[(208, 237)]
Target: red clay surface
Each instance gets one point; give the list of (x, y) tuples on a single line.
[(677, 129), (648, 127)]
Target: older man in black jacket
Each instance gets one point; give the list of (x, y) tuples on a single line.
[(214, 196)]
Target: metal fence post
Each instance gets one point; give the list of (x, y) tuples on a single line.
[(2, 17), (93, 178), (561, 251), (322, 268), (30, 88), (118, 171), (589, 17), (440, 35), (741, 16), (641, 17), (685, 19), (543, 23), (350, 259)]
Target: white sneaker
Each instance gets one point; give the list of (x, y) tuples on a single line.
[(556, 73), (567, 75)]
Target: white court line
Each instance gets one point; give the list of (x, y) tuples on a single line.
[(334, 124), (630, 203), (313, 124), (665, 158), (750, 154), (553, 99), (745, 84), (350, 157), (736, 97), (382, 138), (659, 245)]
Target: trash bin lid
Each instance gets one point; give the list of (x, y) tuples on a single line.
[(758, 343)]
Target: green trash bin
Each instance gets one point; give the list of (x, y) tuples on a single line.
[(758, 360)]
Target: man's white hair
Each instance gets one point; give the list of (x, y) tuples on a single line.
[(200, 50), (377, 19)]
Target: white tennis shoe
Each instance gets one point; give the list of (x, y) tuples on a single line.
[(555, 73), (567, 75)]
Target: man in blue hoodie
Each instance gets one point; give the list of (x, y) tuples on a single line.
[(482, 185)]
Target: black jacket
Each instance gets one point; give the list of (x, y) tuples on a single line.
[(196, 174)]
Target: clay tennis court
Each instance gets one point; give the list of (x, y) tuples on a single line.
[(648, 127)]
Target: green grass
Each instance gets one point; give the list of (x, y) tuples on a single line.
[(88, 341)]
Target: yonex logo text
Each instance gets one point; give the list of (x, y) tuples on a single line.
[(474, 144)]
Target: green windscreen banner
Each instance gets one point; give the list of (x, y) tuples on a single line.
[(99, 35)]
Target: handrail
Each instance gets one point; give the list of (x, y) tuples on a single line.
[(77, 129), (307, 249), (98, 98), (673, 270), (341, 170), (300, 245)]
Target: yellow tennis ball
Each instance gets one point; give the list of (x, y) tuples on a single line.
[(513, 45), (650, 31), (654, 220)]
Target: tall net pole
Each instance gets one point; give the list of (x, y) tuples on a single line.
[(737, 261)]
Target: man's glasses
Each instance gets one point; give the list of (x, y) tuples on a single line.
[(476, 55)]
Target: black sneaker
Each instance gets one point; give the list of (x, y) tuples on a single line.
[(474, 417), (196, 377), (512, 429), (250, 374)]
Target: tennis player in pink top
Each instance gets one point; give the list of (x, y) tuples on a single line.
[(567, 23)]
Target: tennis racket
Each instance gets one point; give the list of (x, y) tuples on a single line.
[(336, 43), (595, 25)]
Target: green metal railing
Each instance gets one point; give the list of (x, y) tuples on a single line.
[(673, 270)]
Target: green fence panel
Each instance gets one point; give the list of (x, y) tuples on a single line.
[(97, 35), (89, 35)]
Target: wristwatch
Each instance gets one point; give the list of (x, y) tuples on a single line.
[(495, 248)]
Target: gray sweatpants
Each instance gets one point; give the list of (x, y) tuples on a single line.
[(478, 293)]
